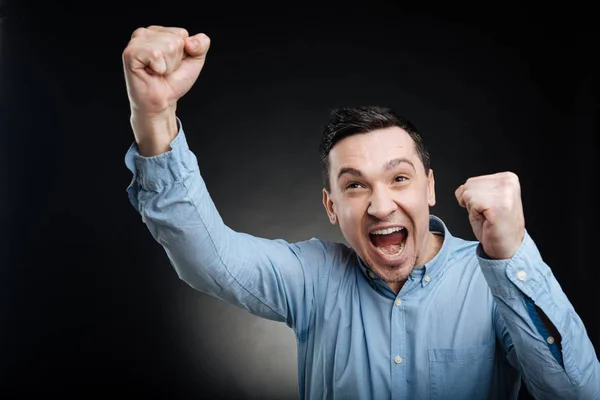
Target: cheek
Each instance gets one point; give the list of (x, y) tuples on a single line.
[(414, 205), (416, 208), (418, 200), (349, 216)]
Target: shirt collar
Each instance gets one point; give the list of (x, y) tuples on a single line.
[(423, 274)]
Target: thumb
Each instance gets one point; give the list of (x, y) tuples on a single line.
[(197, 46)]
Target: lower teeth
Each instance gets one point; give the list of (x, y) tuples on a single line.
[(393, 250)]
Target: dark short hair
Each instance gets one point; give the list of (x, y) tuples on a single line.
[(344, 122)]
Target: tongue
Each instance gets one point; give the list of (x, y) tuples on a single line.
[(389, 244), (393, 239)]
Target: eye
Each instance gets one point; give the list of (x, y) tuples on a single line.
[(400, 178), (353, 185)]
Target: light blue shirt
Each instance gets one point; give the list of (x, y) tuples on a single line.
[(462, 327)]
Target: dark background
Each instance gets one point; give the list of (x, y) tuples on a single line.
[(89, 304)]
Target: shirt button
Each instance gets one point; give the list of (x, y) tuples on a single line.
[(397, 359), (398, 302), (427, 278), (550, 340), (371, 274), (521, 275)]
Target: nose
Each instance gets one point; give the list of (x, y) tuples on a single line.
[(381, 205)]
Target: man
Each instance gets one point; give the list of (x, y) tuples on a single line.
[(408, 311)]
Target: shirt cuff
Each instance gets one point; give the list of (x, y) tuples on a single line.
[(156, 172), (524, 273)]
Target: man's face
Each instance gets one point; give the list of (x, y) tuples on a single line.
[(380, 196)]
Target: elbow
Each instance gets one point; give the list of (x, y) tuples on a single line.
[(589, 386), (204, 277), (586, 385), (585, 377), (574, 382)]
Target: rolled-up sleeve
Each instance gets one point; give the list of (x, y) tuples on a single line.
[(273, 279), (516, 284)]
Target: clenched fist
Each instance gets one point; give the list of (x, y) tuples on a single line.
[(161, 65), (495, 212)]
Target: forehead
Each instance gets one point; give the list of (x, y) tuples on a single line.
[(375, 147)]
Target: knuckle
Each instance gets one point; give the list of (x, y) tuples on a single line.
[(138, 32), (183, 32), (174, 45), (131, 50), (126, 55), (510, 178), (155, 53), (509, 175)]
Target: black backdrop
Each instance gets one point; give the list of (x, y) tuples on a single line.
[(88, 302)]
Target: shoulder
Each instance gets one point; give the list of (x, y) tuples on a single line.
[(462, 254), (328, 263), (462, 248), (454, 247), (324, 251)]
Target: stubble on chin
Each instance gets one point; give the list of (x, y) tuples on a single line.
[(395, 276)]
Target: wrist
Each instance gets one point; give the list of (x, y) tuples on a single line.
[(154, 133)]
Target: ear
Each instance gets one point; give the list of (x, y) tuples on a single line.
[(430, 189), (329, 207)]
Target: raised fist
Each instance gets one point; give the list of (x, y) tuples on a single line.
[(495, 212), (161, 65)]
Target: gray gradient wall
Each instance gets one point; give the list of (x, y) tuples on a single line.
[(89, 302)]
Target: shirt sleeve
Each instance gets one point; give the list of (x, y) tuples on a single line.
[(272, 279), (518, 285)]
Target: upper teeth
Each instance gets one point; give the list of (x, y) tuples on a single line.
[(387, 231)]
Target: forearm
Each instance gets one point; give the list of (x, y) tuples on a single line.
[(517, 284), (154, 133)]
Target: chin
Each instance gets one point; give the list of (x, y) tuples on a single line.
[(394, 274)]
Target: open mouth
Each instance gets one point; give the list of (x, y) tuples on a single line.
[(389, 241)]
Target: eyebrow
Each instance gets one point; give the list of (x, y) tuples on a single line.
[(349, 171), (397, 161), (387, 166)]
